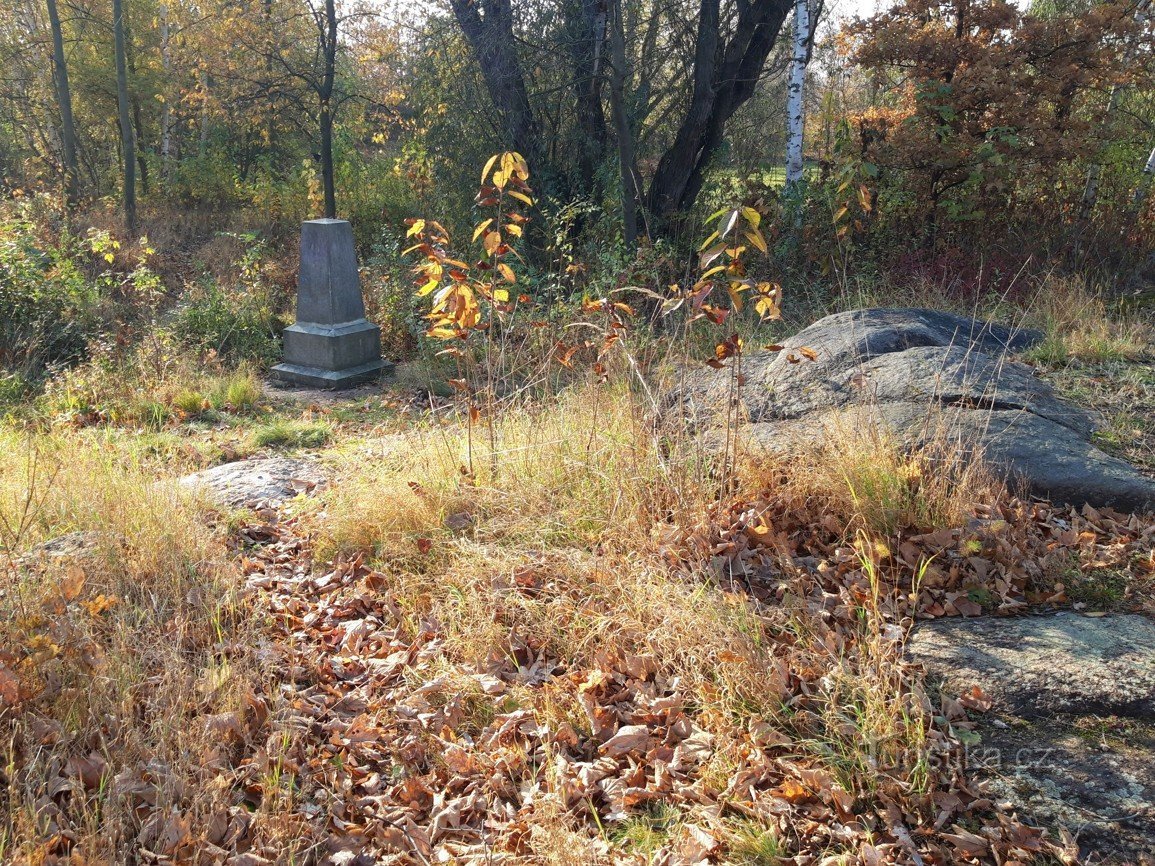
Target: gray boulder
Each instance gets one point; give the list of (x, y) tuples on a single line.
[(255, 483), (922, 374), (1037, 666), (1070, 735)]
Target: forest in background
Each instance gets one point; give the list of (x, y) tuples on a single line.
[(961, 145)]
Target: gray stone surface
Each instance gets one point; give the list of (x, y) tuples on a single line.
[(921, 374), (255, 483), (67, 548), (1042, 665), (331, 345), (1070, 738)]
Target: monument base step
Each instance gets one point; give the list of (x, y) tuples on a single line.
[(316, 377)]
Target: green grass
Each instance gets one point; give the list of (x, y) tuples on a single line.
[(287, 433), (754, 845), (648, 832)]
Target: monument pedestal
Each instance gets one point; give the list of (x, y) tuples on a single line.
[(332, 345)]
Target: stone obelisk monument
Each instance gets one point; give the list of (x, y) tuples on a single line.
[(332, 345)]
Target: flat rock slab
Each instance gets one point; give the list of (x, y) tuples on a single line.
[(1070, 739), (255, 483), (919, 375), (1037, 666)]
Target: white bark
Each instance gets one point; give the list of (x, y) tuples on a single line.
[(795, 111), (1145, 181), (1094, 173)]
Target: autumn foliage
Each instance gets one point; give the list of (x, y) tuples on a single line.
[(991, 114)]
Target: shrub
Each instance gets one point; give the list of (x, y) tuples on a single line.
[(238, 322), (49, 307)]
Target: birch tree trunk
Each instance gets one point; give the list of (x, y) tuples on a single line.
[(1145, 182), (795, 110), (127, 144), (1095, 171), (64, 103)]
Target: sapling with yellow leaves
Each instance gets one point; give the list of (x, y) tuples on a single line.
[(477, 298)]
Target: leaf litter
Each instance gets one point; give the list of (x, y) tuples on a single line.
[(367, 739)]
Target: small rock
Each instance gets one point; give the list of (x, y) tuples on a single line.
[(256, 483)]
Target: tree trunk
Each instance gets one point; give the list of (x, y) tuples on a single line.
[(328, 80), (64, 103), (724, 78), (203, 136), (166, 110), (585, 34), (627, 162), (795, 109), (488, 26), (128, 150)]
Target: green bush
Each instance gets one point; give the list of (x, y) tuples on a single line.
[(49, 306), (238, 322)]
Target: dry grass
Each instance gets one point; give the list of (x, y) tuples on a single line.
[(574, 541), (1082, 326), (573, 505), (129, 659), (590, 552)]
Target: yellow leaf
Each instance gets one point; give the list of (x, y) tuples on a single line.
[(417, 228), (492, 242), (488, 166), (767, 309), (427, 288), (522, 197), (755, 237), (841, 213), (501, 295), (514, 229), (507, 272), (752, 217), (482, 226)]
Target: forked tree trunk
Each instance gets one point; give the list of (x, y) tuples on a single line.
[(725, 76), (795, 108), (727, 65), (127, 146), (488, 26)]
